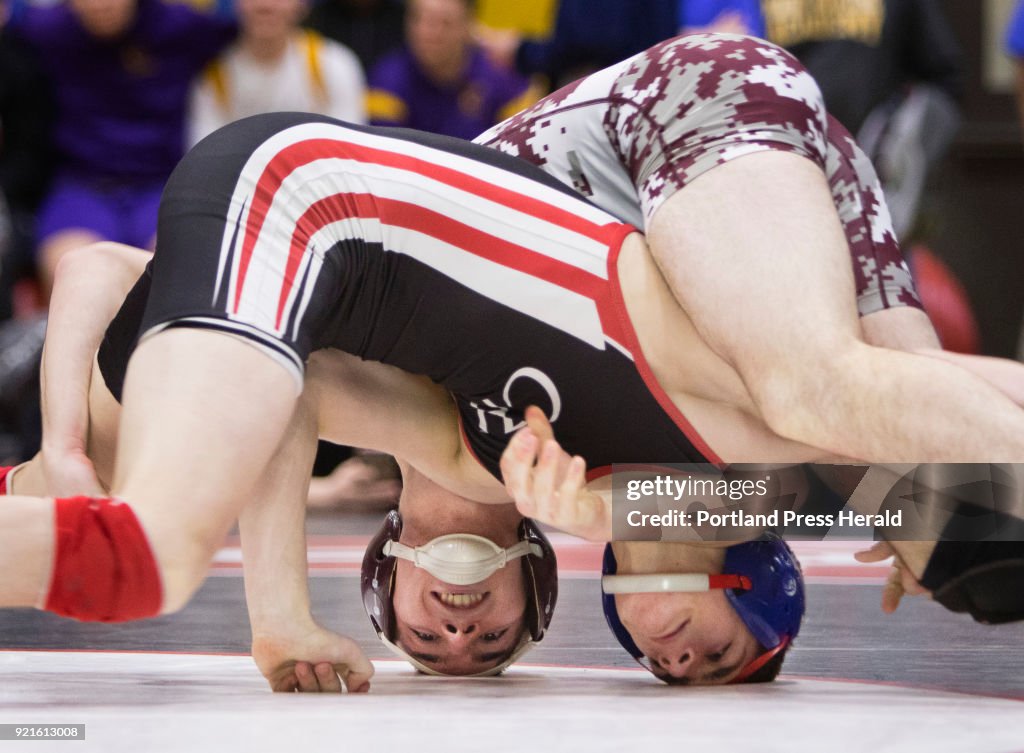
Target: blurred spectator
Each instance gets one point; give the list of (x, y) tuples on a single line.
[(277, 66), (121, 71), (589, 35), (529, 18), (1015, 46), (864, 53), (441, 82), (370, 28), (891, 71), (26, 112)]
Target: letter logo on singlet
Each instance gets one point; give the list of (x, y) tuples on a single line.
[(528, 378)]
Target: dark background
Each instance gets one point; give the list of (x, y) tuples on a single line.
[(976, 210)]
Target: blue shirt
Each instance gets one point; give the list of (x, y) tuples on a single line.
[(593, 34), (1015, 32), (704, 12)]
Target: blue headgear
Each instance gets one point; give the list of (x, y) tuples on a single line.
[(771, 608)]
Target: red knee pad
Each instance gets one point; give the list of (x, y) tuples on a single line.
[(104, 569), (3, 478)]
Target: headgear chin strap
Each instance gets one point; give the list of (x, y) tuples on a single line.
[(762, 581), (461, 559), (671, 583)]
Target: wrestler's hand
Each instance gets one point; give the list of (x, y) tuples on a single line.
[(550, 486), (902, 580), (312, 660), (69, 472)]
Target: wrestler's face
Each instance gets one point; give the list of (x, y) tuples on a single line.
[(690, 638), (104, 18), (459, 630), (437, 31), (269, 19)]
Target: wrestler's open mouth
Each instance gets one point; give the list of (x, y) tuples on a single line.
[(460, 600)]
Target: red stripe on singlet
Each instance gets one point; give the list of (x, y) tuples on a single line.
[(402, 214), (632, 343), (304, 152)]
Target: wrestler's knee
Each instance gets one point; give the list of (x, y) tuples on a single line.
[(109, 568), (87, 254), (789, 393), (184, 557)]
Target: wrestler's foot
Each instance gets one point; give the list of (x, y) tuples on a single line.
[(367, 480)]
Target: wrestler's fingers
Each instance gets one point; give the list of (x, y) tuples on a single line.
[(517, 469), (910, 584), (306, 677), (892, 592), (327, 678), (284, 682), (537, 422), (575, 476), (881, 550), (590, 511), (546, 500), (356, 672)]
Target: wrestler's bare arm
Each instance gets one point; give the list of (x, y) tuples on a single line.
[(292, 651), (89, 287), (370, 404)]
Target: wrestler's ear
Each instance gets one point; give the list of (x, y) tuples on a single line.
[(539, 424)]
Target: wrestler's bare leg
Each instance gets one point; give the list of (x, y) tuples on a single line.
[(26, 550), (203, 415), (773, 295), (901, 328), (1005, 375)]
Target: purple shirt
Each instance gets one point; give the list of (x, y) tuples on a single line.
[(401, 94), (121, 102)]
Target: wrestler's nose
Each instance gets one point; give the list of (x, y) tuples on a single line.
[(460, 627), (677, 664)]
